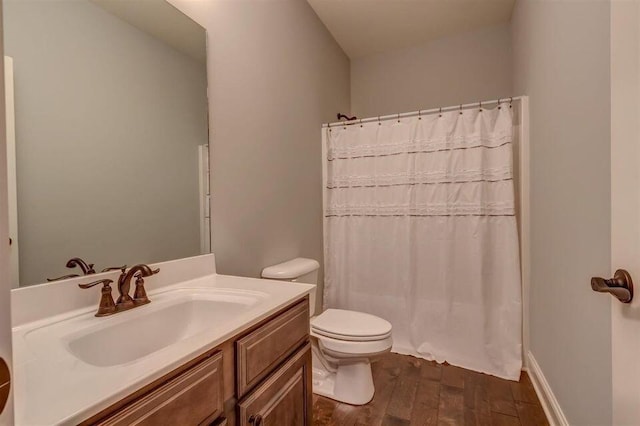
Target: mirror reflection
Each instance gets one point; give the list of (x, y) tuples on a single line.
[(107, 134)]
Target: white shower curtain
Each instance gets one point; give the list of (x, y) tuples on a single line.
[(420, 229)]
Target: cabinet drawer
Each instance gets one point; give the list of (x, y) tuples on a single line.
[(284, 399), (259, 352), (191, 398)]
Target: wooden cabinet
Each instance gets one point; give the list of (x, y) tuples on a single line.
[(193, 397), (283, 399), (266, 368), (260, 351)]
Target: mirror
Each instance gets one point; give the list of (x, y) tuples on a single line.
[(108, 135)]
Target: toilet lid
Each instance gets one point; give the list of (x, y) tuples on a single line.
[(350, 325)]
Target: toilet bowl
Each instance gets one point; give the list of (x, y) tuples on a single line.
[(344, 343)]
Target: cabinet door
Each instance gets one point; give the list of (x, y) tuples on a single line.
[(262, 350), (191, 398), (284, 398)]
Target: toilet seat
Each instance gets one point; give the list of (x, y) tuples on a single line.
[(347, 338), (351, 326), (339, 348)]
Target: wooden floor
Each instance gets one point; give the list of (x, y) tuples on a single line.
[(412, 392)]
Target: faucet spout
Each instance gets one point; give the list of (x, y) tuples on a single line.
[(87, 268), (143, 270), (124, 283)]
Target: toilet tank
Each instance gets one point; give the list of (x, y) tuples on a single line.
[(299, 270)]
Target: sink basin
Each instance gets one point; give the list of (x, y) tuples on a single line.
[(127, 339)]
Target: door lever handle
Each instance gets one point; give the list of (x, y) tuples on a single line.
[(620, 286)]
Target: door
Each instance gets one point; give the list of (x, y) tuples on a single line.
[(6, 401), (625, 206)]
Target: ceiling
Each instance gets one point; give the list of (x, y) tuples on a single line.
[(160, 19), (365, 27)]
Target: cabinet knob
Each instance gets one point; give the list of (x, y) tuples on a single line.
[(255, 419), (620, 286)]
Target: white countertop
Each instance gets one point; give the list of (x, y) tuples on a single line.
[(52, 386)]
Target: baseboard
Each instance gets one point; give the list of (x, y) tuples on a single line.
[(550, 404)]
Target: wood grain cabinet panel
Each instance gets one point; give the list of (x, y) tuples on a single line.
[(195, 397), (284, 399), (262, 350)]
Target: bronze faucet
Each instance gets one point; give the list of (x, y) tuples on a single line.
[(124, 302), (86, 268)]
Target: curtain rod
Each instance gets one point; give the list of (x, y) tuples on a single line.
[(421, 112)]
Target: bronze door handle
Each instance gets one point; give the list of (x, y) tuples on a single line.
[(620, 286)]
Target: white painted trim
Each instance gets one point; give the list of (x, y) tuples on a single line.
[(325, 140), (205, 206), (14, 248), (549, 403), (525, 220)]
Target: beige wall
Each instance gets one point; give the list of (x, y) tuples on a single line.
[(561, 60), (275, 75), (464, 68)]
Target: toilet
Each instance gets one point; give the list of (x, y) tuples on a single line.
[(344, 343)]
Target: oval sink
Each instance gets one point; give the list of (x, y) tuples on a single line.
[(155, 327)]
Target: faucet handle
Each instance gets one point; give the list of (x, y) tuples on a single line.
[(115, 268), (64, 277), (140, 295), (107, 306), (106, 283)]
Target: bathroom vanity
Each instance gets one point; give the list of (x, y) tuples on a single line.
[(263, 374), (208, 350)]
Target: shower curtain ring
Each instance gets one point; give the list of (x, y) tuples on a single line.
[(361, 122), (379, 124), (480, 106), (419, 115), (460, 109), (398, 117), (510, 102), (440, 112)]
